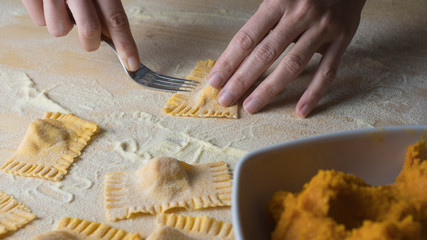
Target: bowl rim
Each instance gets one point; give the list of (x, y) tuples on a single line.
[(249, 156)]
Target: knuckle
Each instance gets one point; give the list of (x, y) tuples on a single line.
[(272, 5), (269, 90), (266, 53), (293, 63), (304, 9), (328, 25), (315, 95), (226, 65), (244, 40), (240, 83), (125, 46), (117, 20), (91, 30), (328, 75)]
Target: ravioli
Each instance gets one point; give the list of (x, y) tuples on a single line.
[(13, 215), (202, 101), (187, 227), (50, 146), (78, 229), (167, 183), (166, 233)]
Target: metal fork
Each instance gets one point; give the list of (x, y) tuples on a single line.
[(153, 80)]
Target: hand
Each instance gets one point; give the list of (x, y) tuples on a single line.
[(325, 26), (91, 17)]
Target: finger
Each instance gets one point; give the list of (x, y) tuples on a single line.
[(35, 9), (242, 44), (292, 64), (88, 24), (117, 24), (261, 58), (325, 74), (56, 16)]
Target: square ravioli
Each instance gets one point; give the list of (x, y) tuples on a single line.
[(190, 228), (79, 229), (167, 183), (13, 215), (201, 101), (50, 146)]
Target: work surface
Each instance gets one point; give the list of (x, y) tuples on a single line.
[(382, 81)]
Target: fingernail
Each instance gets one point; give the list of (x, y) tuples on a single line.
[(305, 110), (215, 80), (133, 63), (252, 106), (226, 98)]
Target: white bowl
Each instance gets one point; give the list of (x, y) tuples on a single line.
[(376, 155)]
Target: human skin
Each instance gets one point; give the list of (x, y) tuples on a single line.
[(324, 26), (91, 18)]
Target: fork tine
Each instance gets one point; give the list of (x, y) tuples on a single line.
[(147, 82), (162, 82), (150, 84), (150, 79), (174, 82), (173, 79)]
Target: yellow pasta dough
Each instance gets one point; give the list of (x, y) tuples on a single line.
[(202, 101), (50, 146), (186, 227), (167, 183), (166, 233), (13, 215), (78, 229), (56, 235)]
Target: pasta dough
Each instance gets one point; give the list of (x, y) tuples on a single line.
[(78, 229), (167, 183), (166, 233), (13, 215), (50, 146), (186, 227), (202, 101)]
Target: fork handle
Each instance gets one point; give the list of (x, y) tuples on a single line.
[(108, 41)]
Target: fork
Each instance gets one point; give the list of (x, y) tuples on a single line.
[(154, 80)]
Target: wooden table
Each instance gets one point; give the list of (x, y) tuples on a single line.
[(382, 81)]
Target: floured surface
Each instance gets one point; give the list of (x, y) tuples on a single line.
[(382, 81)]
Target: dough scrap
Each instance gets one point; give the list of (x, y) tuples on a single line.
[(202, 101), (187, 227), (166, 183), (13, 215), (50, 146), (78, 229)]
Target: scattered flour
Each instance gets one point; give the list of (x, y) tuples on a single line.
[(20, 92), (376, 86), (9, 12)]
